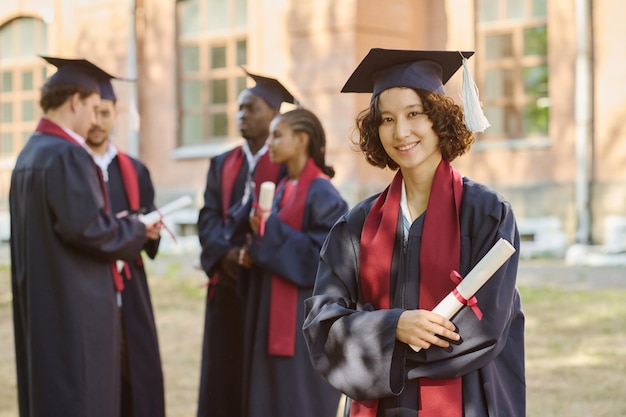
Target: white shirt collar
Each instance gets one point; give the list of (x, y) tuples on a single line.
[(103, 161), (253, 159), (78, 138), (404, 205)]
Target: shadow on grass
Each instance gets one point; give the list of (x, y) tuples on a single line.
[(575, 352)]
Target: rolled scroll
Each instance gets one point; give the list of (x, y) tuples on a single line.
[(474, 280), (157, 215), (266, 196)]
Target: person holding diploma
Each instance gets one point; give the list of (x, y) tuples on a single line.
[(65, 240), (283, 256), (130, 190), (388, 262), (232, 185)]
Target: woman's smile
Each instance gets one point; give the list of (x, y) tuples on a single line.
[(407, 146)]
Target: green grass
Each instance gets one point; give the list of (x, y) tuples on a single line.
[(575, 352), (575, 345)]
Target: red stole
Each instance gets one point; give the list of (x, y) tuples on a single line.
[(439, 255), (131, 189), (284, 294), (232, 165), (130, 180), (265, 170), (49, 127)]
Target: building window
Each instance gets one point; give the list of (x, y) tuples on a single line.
[(513, 63), (22, 73), (212, 40)]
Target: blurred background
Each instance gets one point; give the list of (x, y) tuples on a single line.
[(549, 73), (551, 80)]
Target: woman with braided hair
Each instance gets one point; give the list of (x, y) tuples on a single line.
[(283, 255)]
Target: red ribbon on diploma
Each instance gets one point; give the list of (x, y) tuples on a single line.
[(472, 302)]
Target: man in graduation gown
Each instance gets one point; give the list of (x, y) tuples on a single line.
[(232, 186), (65, 240), (130, 190)]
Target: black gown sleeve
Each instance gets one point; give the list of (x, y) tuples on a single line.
[(146, 203), (350, 343), (354, 346), (214, 232), (482, 340), (293, 254), (79, 213)]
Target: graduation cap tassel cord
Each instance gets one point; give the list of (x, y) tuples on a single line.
[(475, 119)]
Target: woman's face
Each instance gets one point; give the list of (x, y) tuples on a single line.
[(283, 143), (406, 133)]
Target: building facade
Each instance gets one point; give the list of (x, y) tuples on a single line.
[(546, 69)]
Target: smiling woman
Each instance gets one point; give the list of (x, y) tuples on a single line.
[(382, 271), (406, 132)]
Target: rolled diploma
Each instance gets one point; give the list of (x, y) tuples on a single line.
[(266, 196), (156, 215), (475, 279)]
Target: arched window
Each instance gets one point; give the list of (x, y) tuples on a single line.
[(22, 73), (212, 44)]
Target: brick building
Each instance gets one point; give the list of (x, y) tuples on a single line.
[(548, 70)]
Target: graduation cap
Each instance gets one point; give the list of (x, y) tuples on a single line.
[(382, 69), (106, 91), (79, 72), (270, 90)]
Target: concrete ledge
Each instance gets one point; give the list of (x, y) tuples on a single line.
[(615, 234), (593, 255), (5, 226), (541, 236)]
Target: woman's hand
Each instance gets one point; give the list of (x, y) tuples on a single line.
[(153, 231), (255, 221), (420, 328)]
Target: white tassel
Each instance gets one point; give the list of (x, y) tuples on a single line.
[(475, 119)]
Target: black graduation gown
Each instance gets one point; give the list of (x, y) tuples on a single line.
[(287, 386), (222, 349), (355, 348), (142, 344), (64, 304)]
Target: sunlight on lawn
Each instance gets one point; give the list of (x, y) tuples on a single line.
[(575, 345), (575, 352)]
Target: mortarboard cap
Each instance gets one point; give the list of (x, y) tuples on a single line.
[(270, 90), (386, 68), (79, 72), (106, 91), (382, 69)]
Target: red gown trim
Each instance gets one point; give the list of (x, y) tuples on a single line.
[(439, 255), (284, 294)]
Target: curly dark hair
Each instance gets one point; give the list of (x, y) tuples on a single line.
[(304, 121), (54, 95), (448, 124)]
